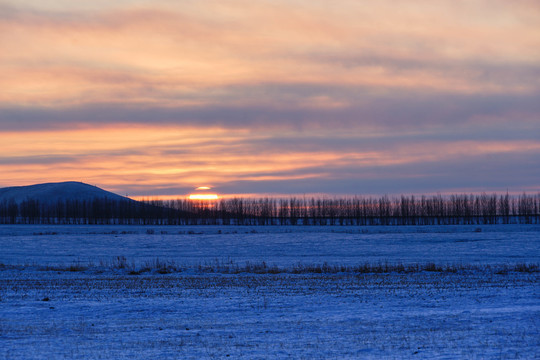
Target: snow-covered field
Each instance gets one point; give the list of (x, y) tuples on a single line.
[(488, 308), (283, 245)]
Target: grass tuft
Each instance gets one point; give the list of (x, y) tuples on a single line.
[(526, 268), (228, 266)]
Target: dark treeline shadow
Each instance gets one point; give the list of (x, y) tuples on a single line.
[(477, 209)]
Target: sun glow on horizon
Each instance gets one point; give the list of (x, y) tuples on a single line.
[(203, 197)]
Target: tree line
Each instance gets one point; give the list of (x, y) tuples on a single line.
[(362, 211)]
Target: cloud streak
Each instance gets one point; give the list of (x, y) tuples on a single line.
[(271, 96), (162, 53), (156, 159)]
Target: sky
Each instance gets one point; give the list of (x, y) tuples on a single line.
[(271, 98)]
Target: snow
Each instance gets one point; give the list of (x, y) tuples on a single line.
[(287, 245), (263, 316), (479, 313)]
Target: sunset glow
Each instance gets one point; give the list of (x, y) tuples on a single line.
[(155, 99), (203, 197)]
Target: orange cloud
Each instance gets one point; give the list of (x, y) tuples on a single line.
[(314, 89), (187, 157), (172, 55)]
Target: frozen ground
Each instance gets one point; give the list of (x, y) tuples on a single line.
[(424, 315), (493, 244), (98, 312)]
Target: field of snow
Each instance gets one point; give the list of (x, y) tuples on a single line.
[(282, 245), (487, 307)]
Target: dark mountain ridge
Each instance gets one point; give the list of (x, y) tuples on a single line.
[(73, 202), (51, 193)]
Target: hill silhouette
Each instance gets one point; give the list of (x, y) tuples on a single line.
[(51, 193)]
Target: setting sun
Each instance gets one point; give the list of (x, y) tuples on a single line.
[(203, 194), (203, 197)]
